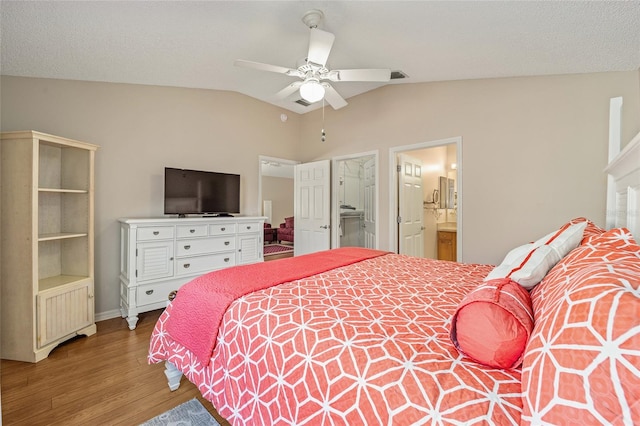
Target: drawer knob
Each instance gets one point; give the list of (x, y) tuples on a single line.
[(156, 232), (226, 259), (223, 229), (249, 227), (192, 230), (149, 292), (226, 243), (187, 247), (186, 265)]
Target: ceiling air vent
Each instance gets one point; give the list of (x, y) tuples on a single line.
[(303, 102), (396, 75)]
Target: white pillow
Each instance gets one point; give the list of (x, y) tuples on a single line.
[(566, 240), (528, 264), (529, 268)]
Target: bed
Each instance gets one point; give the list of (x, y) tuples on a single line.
[(370, 337)]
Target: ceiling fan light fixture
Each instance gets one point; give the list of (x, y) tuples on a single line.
[(311, 90)]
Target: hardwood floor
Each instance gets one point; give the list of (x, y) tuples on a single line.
[(278, 256), (103, 379)]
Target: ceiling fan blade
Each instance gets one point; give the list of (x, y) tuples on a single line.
[(320, 43), (360, 75), (332, 97), (284, 93), (264, 67)]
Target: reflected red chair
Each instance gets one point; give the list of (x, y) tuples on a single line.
[(270, 233), (285, 232)]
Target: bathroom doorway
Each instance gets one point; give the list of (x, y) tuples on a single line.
[(440, 231), (355, 200)]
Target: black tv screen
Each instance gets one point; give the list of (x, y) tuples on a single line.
[(200, 192)]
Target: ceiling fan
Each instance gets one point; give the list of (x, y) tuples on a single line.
[(314, 73)]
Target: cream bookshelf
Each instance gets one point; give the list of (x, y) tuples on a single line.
[(47, 272)]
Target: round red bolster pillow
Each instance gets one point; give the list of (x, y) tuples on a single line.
[(493, 322)]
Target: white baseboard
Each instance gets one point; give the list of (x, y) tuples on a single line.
[(101, 316)]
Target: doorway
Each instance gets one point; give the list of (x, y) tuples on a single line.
[(355, 200), (275, 190), (439, 165)]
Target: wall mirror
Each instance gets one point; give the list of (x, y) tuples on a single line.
[(443, 188), (447, 189), (451, 193)]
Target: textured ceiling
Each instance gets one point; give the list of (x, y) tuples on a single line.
[(194, 44)]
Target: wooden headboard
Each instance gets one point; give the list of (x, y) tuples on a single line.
[(623, 198)]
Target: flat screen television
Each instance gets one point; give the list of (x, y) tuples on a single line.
[(200, 192)]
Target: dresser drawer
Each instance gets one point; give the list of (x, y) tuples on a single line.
[(154, 293), (246, 227), (186, 231), (197, 264), (149, 233), (204, 246), (222, 229)]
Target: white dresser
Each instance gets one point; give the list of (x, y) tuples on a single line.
[(158, 255)]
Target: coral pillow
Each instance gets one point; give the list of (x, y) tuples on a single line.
[(591, 230), (583, 358), (618, 238), (492, 324)]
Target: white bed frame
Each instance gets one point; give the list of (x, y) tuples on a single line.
[(623, 190)]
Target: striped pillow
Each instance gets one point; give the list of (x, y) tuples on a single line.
[(528, 264)]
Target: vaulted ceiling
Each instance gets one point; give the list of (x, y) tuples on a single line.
[(194, 44)]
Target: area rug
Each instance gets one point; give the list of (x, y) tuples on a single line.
[(190, 413), (270, 249)]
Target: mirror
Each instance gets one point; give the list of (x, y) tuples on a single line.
[(447, 190), (444, 191), (451, 193)]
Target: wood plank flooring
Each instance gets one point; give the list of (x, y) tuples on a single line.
[(103, 379)]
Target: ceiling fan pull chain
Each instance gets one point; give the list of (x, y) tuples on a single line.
[(323, 138)]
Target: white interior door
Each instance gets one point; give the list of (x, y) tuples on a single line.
[(370, 203), (411, 218), (312, 207)]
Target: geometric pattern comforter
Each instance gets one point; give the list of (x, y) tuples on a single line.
[(366, 343)]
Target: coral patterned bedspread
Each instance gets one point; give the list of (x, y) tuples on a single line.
[(366, 343)]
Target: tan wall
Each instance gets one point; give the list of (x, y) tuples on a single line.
[(280, 192), (140, 130), (533, 148)]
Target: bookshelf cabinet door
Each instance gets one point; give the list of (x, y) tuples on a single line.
[(63, 310)]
